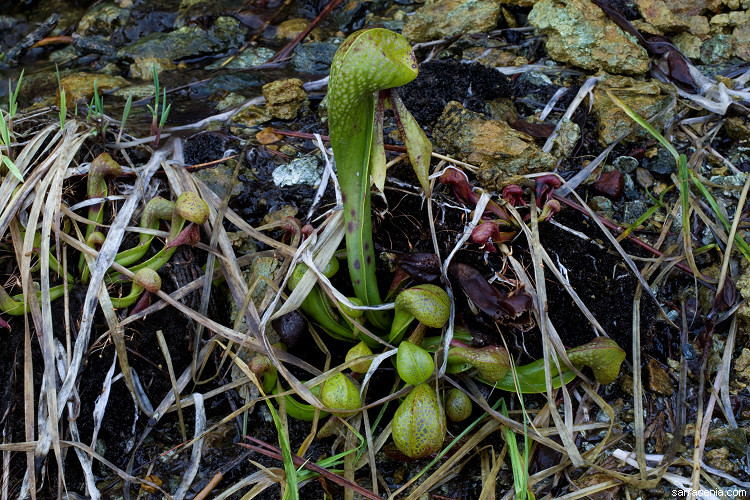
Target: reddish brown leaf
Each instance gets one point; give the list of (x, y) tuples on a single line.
[(421, 267), (188, 236), (486, 297), (540, 130)]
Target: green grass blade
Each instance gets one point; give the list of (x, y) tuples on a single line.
[(12, 167), (13, 96), (516, 462), (63, 108), (741, 243), (4, 132), (155, 109), (164, 115), (292, 481), (126, 111), (640, 220), (97, 103), (646, 125)]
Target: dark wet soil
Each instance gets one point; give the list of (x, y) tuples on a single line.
[(593, 268)]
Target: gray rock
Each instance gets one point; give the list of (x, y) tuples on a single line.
[(602, 205), (663, 163), (625, 164), (716, 50), (235, 82), (735, 440), (103, 19), (218, 177), (633, 210), (189, 41), (251, 56), (304, 170), (314, 58)]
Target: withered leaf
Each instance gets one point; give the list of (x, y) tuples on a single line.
[(487, 298), (540, 130), (725, 299), (421, 267)]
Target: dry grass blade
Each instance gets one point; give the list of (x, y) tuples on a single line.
[(467, 448), (103, 263), (172, 379), (564, 429), (274, 452), (195, 456), (638, 424)]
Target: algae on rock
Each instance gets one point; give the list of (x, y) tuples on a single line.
[(499, 150), (581, 34)]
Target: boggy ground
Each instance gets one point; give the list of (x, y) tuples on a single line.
[(108, 48)]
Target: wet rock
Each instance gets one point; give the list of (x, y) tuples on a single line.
[(645, 98), (716, 50), (719, 459), (290, 28), (581, 34), (143, 67), (439, 19), (737, 128), (733, 440), (313, 58), (238, 82), (188, 41), (251, 56), (103, 19), (250, 117), (63, 55), (658, 379), (304, 170), (137, 91), (499, 150), (566, 139), (610, 184), (284, 98), (268, 136), (741, 35), (217, 179), (644, 178), (350, 16), (742, 365), (671, 16), (79, 87), (231, 100), (196, 9)]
